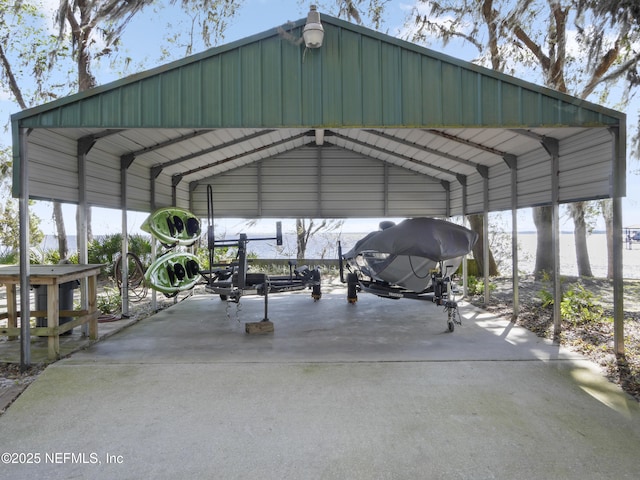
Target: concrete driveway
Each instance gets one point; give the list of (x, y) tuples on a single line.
[(373, 390)]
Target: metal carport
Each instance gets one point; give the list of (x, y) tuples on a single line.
[(365, 126)]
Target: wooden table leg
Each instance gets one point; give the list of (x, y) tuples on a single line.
[(92, 297), (12, 308), (53, 320)]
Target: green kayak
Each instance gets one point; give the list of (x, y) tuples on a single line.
[(173, 226), (173, 272)]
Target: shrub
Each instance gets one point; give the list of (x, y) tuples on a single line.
[(222, 254), (105, 249), (109, 301), (9, 257), (579, 306), (475, 286), (141, 246), (545, 296), (39, 256)]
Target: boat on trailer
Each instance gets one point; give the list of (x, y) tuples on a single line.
[(413, 259)]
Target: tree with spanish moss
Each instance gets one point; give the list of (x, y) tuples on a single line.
[(526, 37)]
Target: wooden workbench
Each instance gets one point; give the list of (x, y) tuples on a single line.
[(52, 276)]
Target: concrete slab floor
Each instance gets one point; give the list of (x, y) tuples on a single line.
[(372, 390)]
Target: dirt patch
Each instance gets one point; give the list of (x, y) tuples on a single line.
[(13, 381)]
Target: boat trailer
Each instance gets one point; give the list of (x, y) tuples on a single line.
[(441, 291)]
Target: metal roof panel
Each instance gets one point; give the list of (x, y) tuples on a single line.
[(231, 108)]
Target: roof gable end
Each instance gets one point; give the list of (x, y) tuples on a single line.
[(358, 78)]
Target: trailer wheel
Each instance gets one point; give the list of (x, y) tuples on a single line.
[(316, 291), (352, 284)]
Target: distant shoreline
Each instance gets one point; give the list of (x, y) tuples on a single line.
[(324, 246), (50, 241)]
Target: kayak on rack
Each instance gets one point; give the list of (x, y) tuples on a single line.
[(173, 226), (173, 272)]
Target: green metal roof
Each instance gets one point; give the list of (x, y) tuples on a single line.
[(372, 98), (358, 78)]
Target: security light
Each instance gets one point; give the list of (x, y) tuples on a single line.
[(313, 33)]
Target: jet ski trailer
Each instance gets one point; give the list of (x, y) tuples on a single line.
[(414, 259), (233, 280)]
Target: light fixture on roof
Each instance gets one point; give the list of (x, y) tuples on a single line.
[(313, 33)]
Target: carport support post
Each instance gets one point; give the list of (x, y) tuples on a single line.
[(462, 179), (155, 173), (557, 285), (266, 299), (485, 254), (511, 161), (552, 146), (618, 284), (84, 146), (484, 172), (125, 163), (465, 268), (25, 271), (175, 181), (619, 190)]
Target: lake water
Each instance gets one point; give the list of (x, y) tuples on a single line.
[(597, 246), (324, 245)]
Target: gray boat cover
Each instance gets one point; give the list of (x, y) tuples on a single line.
[(431, 238)]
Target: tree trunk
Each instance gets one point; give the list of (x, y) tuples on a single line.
[(81, 32), (577, 211), (606, 206), (477, 225), (301, 238), (63, 247), (542, 217)]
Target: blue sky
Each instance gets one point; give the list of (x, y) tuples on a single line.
[(147, 31)]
